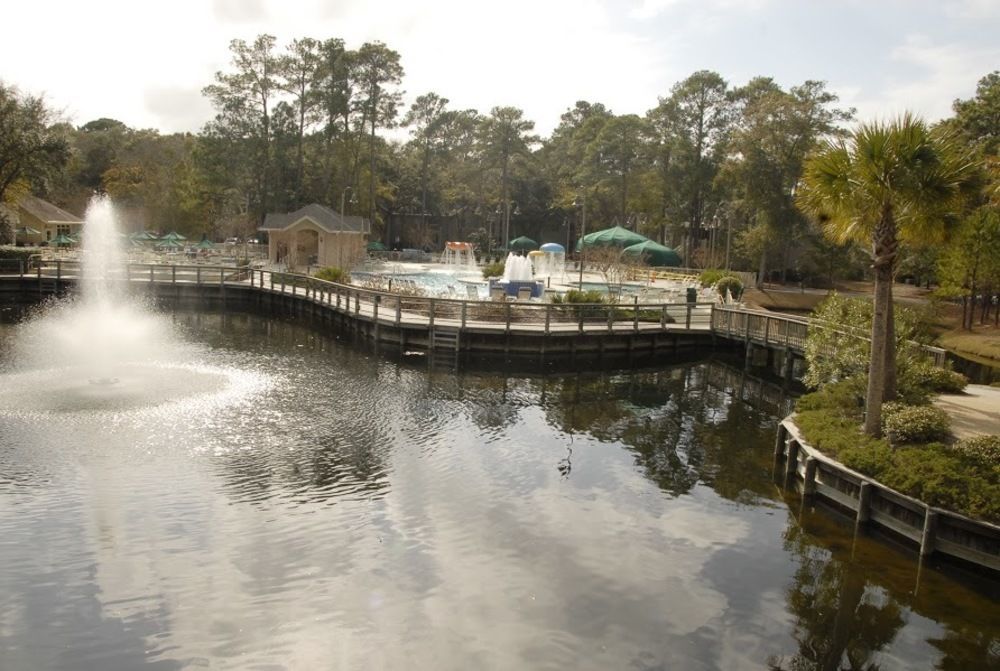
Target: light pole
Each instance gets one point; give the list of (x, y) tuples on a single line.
[(343, 196), (582, 201)]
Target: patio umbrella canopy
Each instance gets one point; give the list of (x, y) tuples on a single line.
[(62, 240), (205, 244), (169, 244), (142, 236), (653, 254), (375, 246), (523, 244), (173, 235), (611, 237), (26, 230)]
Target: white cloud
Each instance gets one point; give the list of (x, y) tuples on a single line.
[(935, 75), (973, 9)]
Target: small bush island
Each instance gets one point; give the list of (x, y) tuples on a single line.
[(964, 478)]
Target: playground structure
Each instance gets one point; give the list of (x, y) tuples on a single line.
[(459, 255)]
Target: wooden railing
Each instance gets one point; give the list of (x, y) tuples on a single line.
[(788, 331), (401, 310)]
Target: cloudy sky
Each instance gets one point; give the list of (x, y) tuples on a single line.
[(145, 63)]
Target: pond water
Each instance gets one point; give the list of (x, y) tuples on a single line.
[(325, 507)]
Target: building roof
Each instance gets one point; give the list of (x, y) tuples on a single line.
[(327, 219), (47, 212)]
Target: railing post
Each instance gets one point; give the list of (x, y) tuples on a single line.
[(59, 270), (465, 306), (864, 502), (611, 319), (767, 329), (548, 317), (507, 325), (809, 478), (687, 321), (431, 309), (930, 531), (399, 308), (173, 275), (663, 316), (222, 276), (197, 275), (635, 323)]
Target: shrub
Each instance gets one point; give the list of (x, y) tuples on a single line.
[(983, 449), (964, 478), (333, 274), (577, 296), (15, 254), (494, 269), (732, 283), (932, 378), (914, 424), (847, 396)]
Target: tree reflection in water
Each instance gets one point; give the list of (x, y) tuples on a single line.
[(851, 597)]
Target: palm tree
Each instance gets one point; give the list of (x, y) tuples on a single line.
[(886, 182)]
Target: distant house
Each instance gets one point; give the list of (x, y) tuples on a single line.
[(35, 214), (315, 235)]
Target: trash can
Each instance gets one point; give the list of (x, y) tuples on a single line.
[(692, 295)]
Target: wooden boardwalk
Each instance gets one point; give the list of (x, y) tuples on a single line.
[(447, 322)]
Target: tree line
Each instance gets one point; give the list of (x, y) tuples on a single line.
[(712, 169)]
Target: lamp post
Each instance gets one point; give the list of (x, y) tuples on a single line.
[(343, 196), (582, 201)]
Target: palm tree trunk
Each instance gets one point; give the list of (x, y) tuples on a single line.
[(881, 372)]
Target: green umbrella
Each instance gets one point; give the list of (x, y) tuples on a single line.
[(205, 244), (376, 246), (523, 244), (611, 237), (26, 230), (169, 244), (62, 240), (174, 236), (143, 236), (653, 254)]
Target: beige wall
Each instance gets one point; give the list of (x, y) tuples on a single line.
[(332, 249), (48, 231)]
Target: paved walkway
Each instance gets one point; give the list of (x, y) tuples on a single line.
[(973, 413)]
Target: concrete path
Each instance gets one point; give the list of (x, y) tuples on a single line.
[(973, 413)]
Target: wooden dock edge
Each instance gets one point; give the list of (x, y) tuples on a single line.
[(931, 530)]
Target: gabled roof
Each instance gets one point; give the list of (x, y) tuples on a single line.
[(47, 212), (327, 219)]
